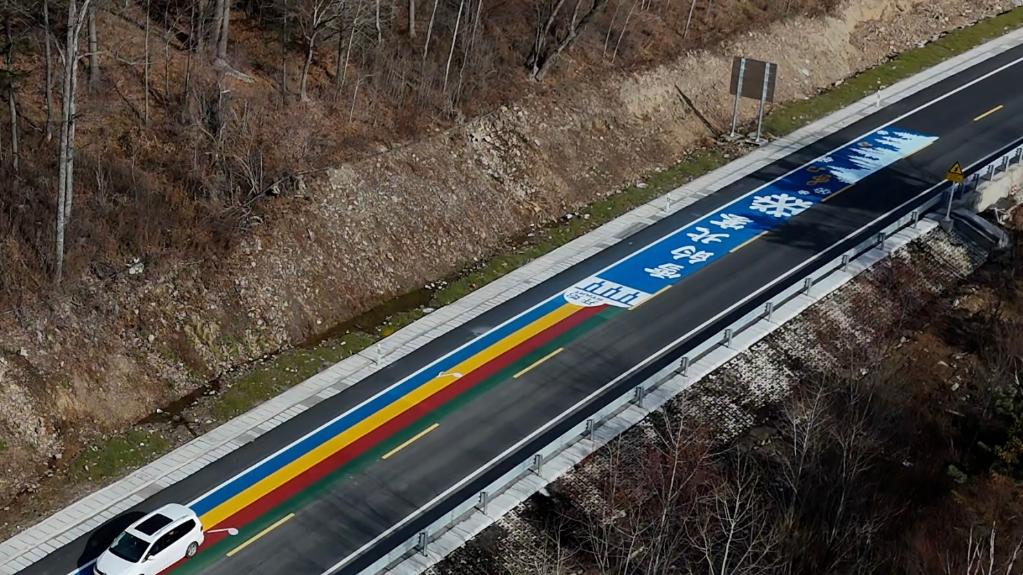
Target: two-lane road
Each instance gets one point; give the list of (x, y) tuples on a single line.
[(338, 486)]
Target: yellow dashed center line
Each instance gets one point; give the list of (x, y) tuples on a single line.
[(538, 362), (988, 113), (411, 440), (747, 242), (845, 189), (659, 292), (256, 537)]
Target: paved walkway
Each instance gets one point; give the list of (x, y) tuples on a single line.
[(88, 513)]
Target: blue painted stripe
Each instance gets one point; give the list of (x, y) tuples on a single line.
[(685, 252), (254, 475), (649, 270)]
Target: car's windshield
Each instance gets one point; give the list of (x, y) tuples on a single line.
[(129, 547)]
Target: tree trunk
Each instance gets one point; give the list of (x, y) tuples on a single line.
[(284, 56), (689, 19), (49, 71), (12, 97), (380, 32), (145, 70), (66, 159), (310, 48), (93, 50), (411, 18), (429, 30), (225, 28), (454, 37)]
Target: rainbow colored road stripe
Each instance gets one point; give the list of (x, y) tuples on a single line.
[(625, 284), (286, 473)]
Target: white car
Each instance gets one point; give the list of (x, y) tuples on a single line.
[(153, 543)]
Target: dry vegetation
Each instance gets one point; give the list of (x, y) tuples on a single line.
[(187, 125)]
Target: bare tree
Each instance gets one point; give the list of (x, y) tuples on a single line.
[(221, 30), (429, 30), (76, 17), (315, 20), (982, 557), (734, 534), (94, 48), (11, 79), (548, 44), (411, 18), (48, 89)]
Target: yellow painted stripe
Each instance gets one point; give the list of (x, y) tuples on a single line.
[(538, 362), (410, 441), (747, 242), (988, 113), (659, 292), (271, 482), (256, 537)]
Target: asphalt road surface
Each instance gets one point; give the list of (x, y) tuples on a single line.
[(354, 512)]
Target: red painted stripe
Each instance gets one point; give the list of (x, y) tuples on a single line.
[(399, 422)]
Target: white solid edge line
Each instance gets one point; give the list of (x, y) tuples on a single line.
[(657, 355), (637, 252), (631, 254), (502, 324)]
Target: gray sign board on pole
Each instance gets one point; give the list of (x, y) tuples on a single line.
[(752, 85)]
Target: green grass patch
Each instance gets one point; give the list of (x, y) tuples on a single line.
[(790, 117), (287, 369), (117, 455), (3, 446)]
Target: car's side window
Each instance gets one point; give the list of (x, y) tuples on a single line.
[(163, 543), (186, 527)]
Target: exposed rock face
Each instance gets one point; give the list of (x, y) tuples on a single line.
[(378, 227)]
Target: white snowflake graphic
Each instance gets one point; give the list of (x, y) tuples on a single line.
[(780, 205), (731, 222)]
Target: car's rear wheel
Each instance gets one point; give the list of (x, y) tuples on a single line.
[(193, 547)]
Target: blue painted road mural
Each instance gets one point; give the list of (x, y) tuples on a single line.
[(683, 253)]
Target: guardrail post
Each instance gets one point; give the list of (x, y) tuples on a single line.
[(1005, 163), (768, 310), (915, 218), (537, 466), (591, 428), (423, 542), (638, 394), (881, 237), (991, 172), (484, 499), (728, 337), (683, 366), (807, 284), (845, 261)]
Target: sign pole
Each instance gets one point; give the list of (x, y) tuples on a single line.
[(951, 195), (738, 95), (763, 103)]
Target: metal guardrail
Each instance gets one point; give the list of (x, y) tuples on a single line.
[(584, 429)]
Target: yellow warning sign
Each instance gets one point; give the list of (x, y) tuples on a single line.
[(955, 174)]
